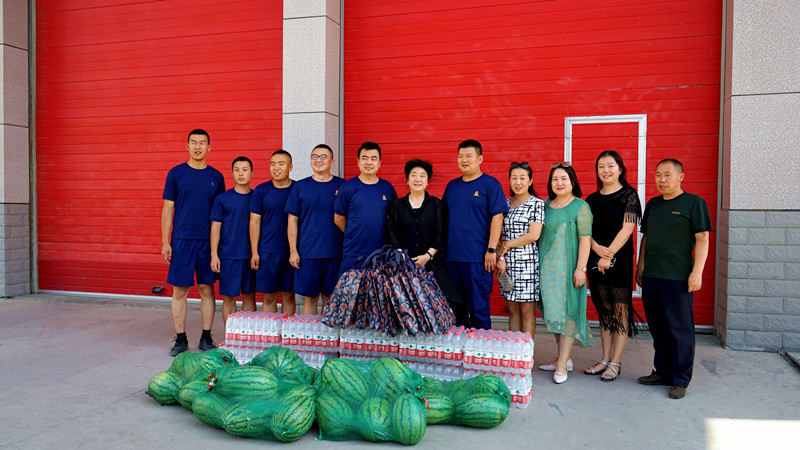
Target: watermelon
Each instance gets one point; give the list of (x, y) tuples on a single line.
[(165, 387), (334, 417), (489, 384), (441, 409), (214, 358), (244, 382), (210, 407), (285, 363), (295, 415), (373, 419), (189, 391), (409, 419), (250, 419), (391, 378), (185, 364), (344, 378), (432, 386), (481, 411)]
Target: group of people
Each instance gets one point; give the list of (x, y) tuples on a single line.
[(303, 235)]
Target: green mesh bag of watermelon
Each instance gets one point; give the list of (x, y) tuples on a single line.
[(481, 402), (286, 418), (286, 364), (166, 387), (378, 400)]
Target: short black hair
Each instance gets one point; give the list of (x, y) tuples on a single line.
[(242, 158), (471, 143), (369, 145), (199, 131), (424, 165), (674, 162), (623, 172), (283, 152), (573, 179), (325, 146)]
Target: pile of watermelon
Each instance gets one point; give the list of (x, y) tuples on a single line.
[(278, 397), (270, 398)]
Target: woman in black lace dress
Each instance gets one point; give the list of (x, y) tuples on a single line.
[(616, 210)]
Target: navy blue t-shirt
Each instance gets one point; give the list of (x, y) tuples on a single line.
[(269, 202), (364, 206), (312, 202), (471, 206), (193, 191), (232, 210)]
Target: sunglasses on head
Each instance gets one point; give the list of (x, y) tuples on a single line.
[(523, 164), (560, 164)]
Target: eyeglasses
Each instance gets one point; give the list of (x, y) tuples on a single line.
[(321, 157), (523, 164), (564, 164)]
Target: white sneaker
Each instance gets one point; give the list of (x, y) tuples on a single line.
[(559, 377), (552, 367)]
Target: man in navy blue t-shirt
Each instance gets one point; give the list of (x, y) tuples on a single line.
[(189, 192), (360, 207), (268, 239), (475, 203), (230, 248), (315, 243)]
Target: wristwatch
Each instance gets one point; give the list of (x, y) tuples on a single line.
[(582, 269), (491, 250)]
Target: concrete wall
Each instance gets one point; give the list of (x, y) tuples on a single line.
[(15, 261), (311, 76), (758, 298)]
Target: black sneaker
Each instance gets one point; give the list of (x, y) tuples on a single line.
[(206, 343), (181, 345)]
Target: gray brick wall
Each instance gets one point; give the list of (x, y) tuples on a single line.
[(758, 288), (15, 262)]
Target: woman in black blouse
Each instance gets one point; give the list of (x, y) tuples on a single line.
[(417, 222)]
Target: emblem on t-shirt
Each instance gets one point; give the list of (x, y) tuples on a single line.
[(384, 197), (336, 193), (476, 194), (676, 212)]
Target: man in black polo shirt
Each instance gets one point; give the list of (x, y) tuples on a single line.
[(674, 224)]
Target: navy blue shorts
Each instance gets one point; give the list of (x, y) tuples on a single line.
[(274, 273), (316, 276), (190, 257), (236, 277)]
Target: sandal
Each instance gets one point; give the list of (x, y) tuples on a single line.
[(591, 371), (607, 376)]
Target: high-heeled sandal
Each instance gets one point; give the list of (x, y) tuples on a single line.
[(591, 371)]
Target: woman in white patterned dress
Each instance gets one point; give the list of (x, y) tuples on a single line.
[(519, 254)]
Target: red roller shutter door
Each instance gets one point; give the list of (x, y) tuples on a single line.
[(119, 85), (421, 76)]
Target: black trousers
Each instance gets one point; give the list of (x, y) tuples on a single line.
[(668, 307)]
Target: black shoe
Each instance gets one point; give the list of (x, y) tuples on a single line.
[(181, 345), (653, 380), (206, 343), (677, 392)]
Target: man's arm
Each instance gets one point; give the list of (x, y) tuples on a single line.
[(214, 241), (255, 235), (291, 233), (340, 221), (166, 225), (490, 259), (640, 263), (700, 256)]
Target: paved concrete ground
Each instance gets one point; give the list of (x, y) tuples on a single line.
[(74, 372)]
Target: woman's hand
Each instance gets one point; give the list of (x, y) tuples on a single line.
[(603, 265), (579, 278), (501, 267), (603, 252), (421, 260)]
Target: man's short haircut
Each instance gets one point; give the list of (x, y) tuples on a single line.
[(325, 146), (242, 158), (677, 164), (369, 145), (573, 179), (199, 131), (283, 152), (424, 165), (472, 143)]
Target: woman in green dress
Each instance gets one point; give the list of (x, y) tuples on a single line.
[(565, 245)]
